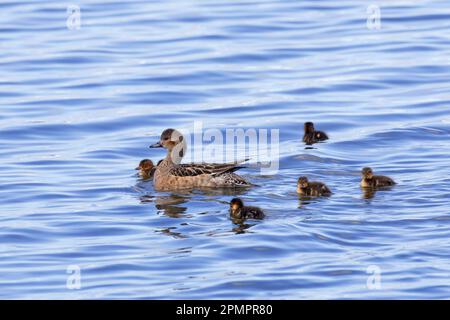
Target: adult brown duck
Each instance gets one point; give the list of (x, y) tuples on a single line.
[(170, 175)]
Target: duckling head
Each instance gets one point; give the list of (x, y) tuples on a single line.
[(145, 165), (236, 205), (302, 183), (309, 127), (367, 173)]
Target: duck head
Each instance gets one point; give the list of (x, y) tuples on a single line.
[(309, 127), (236, 205), (367, 173), (302, 183), (174, 142)]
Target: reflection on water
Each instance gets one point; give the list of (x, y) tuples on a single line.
[(304, 201), (170, 205), (241, 227), (169, 232), (369, 193)]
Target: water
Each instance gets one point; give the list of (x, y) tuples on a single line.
[(80, 107)]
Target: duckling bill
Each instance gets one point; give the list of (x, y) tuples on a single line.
[(312, 135), (369, 180), (239, 211), (312, 189)]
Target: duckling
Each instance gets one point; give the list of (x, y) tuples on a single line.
[(307, 188), (369, 180), (239, 211), (311, 135), (146, 168)]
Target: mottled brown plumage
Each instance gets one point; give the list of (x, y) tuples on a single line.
[(311, 135), (240, 212), (191, 169), (312, 189), (369, 180)]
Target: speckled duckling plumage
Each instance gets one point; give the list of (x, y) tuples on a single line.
[(311, 188), (170, 175), (311, 135), (369, 180), (239, 211)]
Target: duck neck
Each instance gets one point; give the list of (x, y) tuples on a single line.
[(167, 161), (169, 156), (174, 155)]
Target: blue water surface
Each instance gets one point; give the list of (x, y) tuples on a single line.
[(79, 107)]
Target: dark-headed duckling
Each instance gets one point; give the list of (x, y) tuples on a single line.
[(239, 211), (309, 188), (146, 168), (369, 180), (311, 135)]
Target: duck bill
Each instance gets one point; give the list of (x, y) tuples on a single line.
[(156, 145)]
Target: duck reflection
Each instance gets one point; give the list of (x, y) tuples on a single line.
[(221, 191), (240, 227), (175, 205), (368, 193), (170, 204), (168, 231), (304, 201)]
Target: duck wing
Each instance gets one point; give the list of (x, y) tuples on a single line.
[(233, 180), (214, 169), (383, 181), (253, 213)]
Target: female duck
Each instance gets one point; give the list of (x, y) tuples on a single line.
[(311, 135), (311, 189), (171, 175), (369, 180), (239, 211)]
